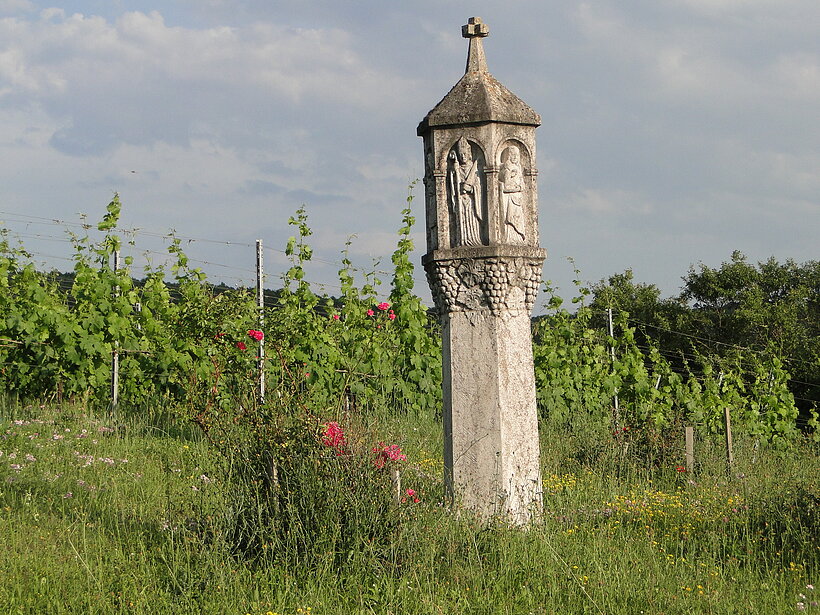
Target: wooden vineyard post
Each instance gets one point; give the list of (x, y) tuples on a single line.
[(115, 353), (729, 455), (690, 449), (611, 330), (395, 478), (260, 303)]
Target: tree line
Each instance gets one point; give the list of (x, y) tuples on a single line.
[(769, 308)]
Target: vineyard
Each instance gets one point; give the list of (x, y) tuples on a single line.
[(177, 339), (197, 492)]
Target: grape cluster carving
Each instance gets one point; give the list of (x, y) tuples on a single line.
[(486, 283)]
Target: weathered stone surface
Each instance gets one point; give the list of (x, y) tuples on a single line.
[(490, 144), (491, 451), (484, 268), (478, 96), (491, 278)]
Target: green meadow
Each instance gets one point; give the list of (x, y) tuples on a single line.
[(105, 513)]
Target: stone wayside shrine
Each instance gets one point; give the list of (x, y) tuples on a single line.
[(483, 264)]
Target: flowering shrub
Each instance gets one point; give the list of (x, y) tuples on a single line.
[(294, 479), (305, 492)]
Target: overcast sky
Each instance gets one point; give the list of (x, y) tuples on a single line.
[(674, 131)]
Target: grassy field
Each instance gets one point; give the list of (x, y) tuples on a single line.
[(127, 514)]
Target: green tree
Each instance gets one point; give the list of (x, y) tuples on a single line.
[(771, 307), (652, 317)]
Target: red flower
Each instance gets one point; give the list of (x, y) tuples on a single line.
[(383, 306), (335, 317), (257, 335), (370, 312), (241, 345), (386, 453), (680, 469), (334, 437), (412, 495)]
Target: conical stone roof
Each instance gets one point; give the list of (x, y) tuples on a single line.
[(478, 96)]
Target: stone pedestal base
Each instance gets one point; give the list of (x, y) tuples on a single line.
[(491, 450)]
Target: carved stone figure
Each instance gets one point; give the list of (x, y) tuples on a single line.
[(513, 197), (465, 195)]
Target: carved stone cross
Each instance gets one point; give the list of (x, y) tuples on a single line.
[(475, 30), (475, 27)]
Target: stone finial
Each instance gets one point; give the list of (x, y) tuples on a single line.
[(477, 97), (475, 30), (475, 27)]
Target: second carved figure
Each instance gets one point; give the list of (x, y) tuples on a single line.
[(513, 195)]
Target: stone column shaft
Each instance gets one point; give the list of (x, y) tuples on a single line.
[(491, 448)]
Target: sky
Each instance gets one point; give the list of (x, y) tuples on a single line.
[(673, 131)]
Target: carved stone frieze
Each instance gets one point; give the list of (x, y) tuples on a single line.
[(495, 283)]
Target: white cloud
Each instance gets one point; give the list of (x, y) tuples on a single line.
[(610, 202), (52, 13), (684, 54), (748, 9), (798, 74), (15, 6), (140, 80), (688, 73)]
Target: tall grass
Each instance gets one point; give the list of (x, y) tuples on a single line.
[(138, 514)]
